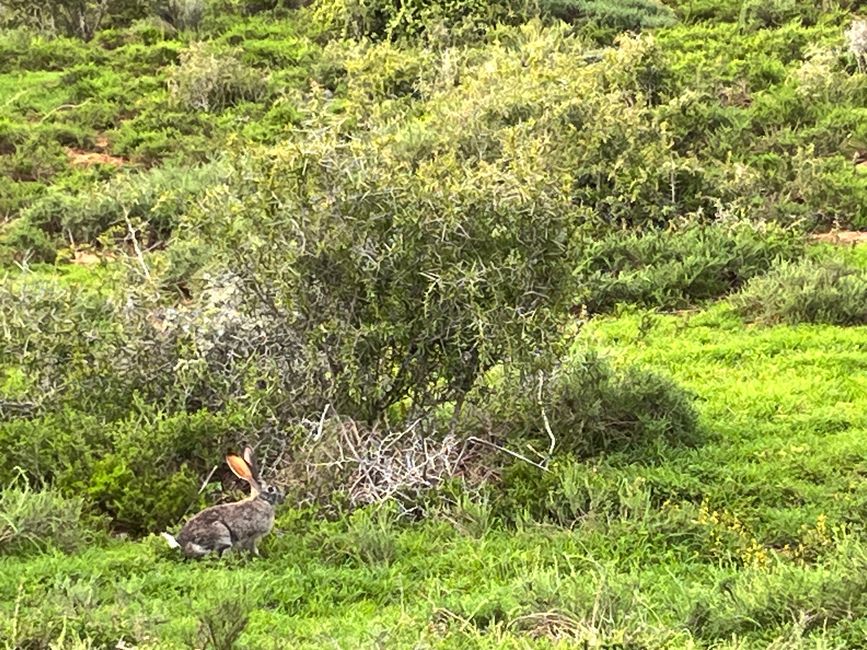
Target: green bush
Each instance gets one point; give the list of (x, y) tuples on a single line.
[(167, 136), (692, 11), (141, 60), (34, 521), (85, 370), (369, 537), (144, 472), (758, 600), (571, 491), (35, 160), (459, 21), (613, 153), (763, 14), (148, 202), (212, 79), (827, 191), (808, 291), (607, 18), (344, 223), (453, 20), (149, 31), (103, 351), (53, 447), (679, 267), (152, 475), (63, 339), (12, 134), (223, 618), (23, 242), (586, 407)]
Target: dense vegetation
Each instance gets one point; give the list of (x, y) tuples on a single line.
[(519, 301)]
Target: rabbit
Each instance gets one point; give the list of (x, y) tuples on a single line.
[(232, 525)]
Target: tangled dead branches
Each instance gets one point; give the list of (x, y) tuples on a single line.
[(376, 463)]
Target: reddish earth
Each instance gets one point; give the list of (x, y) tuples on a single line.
[(88, 158), (99, 156), (841, 237), (87, 256)]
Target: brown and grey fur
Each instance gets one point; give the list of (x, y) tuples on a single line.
[(232, 525)]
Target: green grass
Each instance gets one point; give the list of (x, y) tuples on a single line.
[(93, 277), (32, 93), (754, 537), (114, 99)]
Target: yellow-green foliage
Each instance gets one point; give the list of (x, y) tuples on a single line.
[(806, 292), (688, 119), (685, 547), (379, 240), (34, 520), (211, 80)]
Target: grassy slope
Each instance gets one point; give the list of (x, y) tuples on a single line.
[(687, 547), (111, 95), (754, 536)]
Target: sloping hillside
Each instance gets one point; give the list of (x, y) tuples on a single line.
[(537, 310)]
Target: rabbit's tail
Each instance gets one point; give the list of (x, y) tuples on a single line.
[(173, 543)]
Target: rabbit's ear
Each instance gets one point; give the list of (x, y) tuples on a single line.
[(251, 462), (240, 468)]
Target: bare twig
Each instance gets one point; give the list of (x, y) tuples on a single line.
[(376, 464), (545, 417), (63, 107), (136, 247), (514, 454), (322, 421), (208, 479)]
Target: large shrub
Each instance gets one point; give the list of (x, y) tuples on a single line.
[(152, 474), (107, 350), (527, 93), (399, 284)]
